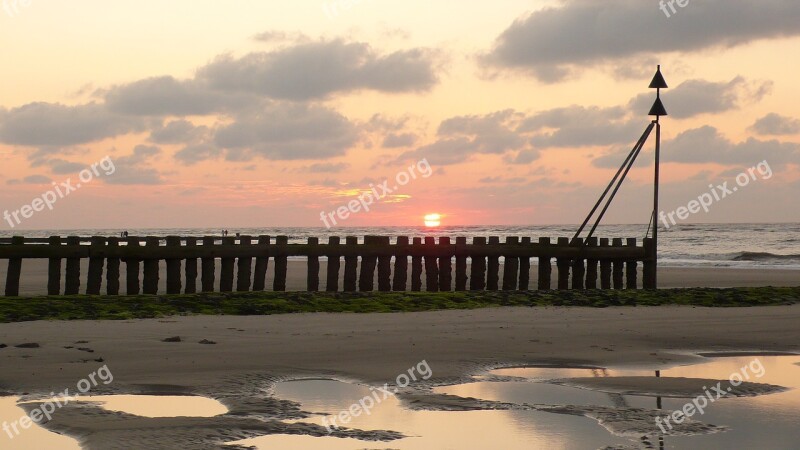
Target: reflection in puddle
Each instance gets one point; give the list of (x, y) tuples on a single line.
[(36, 437), (767, 421)]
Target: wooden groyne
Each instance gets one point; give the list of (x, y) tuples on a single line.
[(594, 264)]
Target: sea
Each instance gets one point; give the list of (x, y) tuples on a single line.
[(757, 245)]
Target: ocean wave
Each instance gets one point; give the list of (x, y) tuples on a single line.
[(763, 256)]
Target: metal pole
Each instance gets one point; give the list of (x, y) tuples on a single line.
[(655, 204)]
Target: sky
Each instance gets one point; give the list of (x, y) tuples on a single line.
[(275, 113)]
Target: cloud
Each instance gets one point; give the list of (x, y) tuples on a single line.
[(326, 167), (776, 125), (316, 70), (53, 124), (578, 126), (695, 97), (707, 145), (396, 140), (463, 136), (177, 132), (135, 168), (167, 96), (554, 42), (60, 166), (195, 153), (287, 131), (32, 179)]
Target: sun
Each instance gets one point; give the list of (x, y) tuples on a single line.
[(433, 220)]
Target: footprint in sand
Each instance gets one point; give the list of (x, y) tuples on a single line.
[(28, 345)]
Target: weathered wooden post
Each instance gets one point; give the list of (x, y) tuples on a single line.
[(366, 279), (591, 266), (150, 284), (208, 265), (334, 264), (493, 266), (525, 267), (174, 265), (262, 263), (477, 280), (54, 268), (350, 264), (431, 267), (190, 269), (416, 266), (511, 265), (112, 268), (132, 265), (244, 264), (312, 278), (461, 264), (617, 266), (578, 267), (605, 267), (384, 264), (95, 275), (281, 263), (14, 270), (226, 266), (445, 266), (630, 268), (545, 269), (401, 265), (72, 284), (563, 265), (649, 270)]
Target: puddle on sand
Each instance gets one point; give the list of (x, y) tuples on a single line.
[(767, 421), (37, 437)]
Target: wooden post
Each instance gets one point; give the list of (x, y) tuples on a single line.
[(511, 266), (578, 267), (150, 284), (190, 269), (591, 266), (132, 284), (281, 264), (525, 268), (174, 266), (477, 281), (545, 269), (617, 265), (334, 264), (431, 267), (54, 269), (312, 277), (95, 276), (400, 265), (461, 264), (262, 263), (649, 271), (416, 267), (493, 274), (208, 266), (72, 285), (244, 265), (350, 265), (384, 265), (630, 268), (112, 269), (563, 266), (226, 267), (605, 268), (14, 270), (445, 267), (366, 280)]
